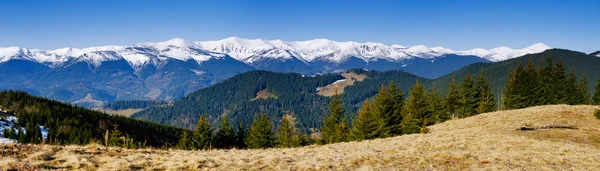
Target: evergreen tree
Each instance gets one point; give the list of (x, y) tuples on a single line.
[(225, 137), (560, 84), (583, 96), (202, 135), (184, 141), (435, 107), (571, 85), (415, 110), (530, 78), (383, 106), (21, 137), (395, 117), (116, 137), (367, 124), (240, 136), (484, 96), (286, 136), (452, 101), (334, 127), (596, 97), (546, 92), (259, 134), (468, 100), (511, 95)]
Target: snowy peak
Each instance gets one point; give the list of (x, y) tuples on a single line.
[(250, 51), (597, 54)]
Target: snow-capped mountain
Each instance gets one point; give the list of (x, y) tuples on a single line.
[(171, 69), (251, 51), (597, 54)]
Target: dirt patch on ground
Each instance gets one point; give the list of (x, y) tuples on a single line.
[(264, 94), (488, 141), (124, 112), (338, 86)]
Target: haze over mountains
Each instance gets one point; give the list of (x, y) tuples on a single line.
[(171, 69)]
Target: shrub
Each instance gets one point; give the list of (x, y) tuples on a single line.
[(597, 114)]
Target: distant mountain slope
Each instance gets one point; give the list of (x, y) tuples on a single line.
[(597, 54), (171, 69), (290, 93), (497, 73)]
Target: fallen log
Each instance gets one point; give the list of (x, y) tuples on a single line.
[(552, 126)]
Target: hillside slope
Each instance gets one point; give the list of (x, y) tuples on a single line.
[(486, 141)]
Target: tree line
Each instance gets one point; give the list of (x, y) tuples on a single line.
[(548, 84)]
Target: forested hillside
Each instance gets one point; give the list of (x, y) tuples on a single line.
[(295, 93), (68, 124), (289, 93), (133, 104), (498, 73)]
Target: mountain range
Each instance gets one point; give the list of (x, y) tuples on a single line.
[(171, 69), (277, 94)]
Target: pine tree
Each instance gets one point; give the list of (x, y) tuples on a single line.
[(468, 100), (383, 106), (452, 101), (395, 118), (334, 127), (530, 77), (116, 137), (435, 107), (286, 136), (240, 136), (596, 97), (415, 110), (485, 97), (202, 135), (225, 137), (511, 95), (259, 134), (546, 92), (573, 93), (560, 84), (367, 124), (583, 96), (184, 141)]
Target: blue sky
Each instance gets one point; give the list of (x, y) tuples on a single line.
[(458, 25)]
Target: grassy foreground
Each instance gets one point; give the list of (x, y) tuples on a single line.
[(488, 141)]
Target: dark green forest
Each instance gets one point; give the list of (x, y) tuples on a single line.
[(133, 104), (78, 125)]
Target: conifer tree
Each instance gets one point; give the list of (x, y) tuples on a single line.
[(116, 137), (240, 136), (395, 117), (485, 97), (468, 101), (596, 97), (435, 107), (546, 92), (530, 78), (286, 136), (383, 106), (583, 96), (367, 124), (225, 137), (573, 93), (560, 84), (452, 101), (184, 141), (259, 134), (415, 110), (511, 95), (334, 127), (202, 135)]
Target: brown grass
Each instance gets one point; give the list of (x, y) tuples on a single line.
[(331, 89), (488, 141), (264, 94), (124, 112)]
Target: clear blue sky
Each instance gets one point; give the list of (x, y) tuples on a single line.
[(458, 25)]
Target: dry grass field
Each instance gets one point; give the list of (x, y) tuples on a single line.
[(338, 87), (488, 141), (124, 112)]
